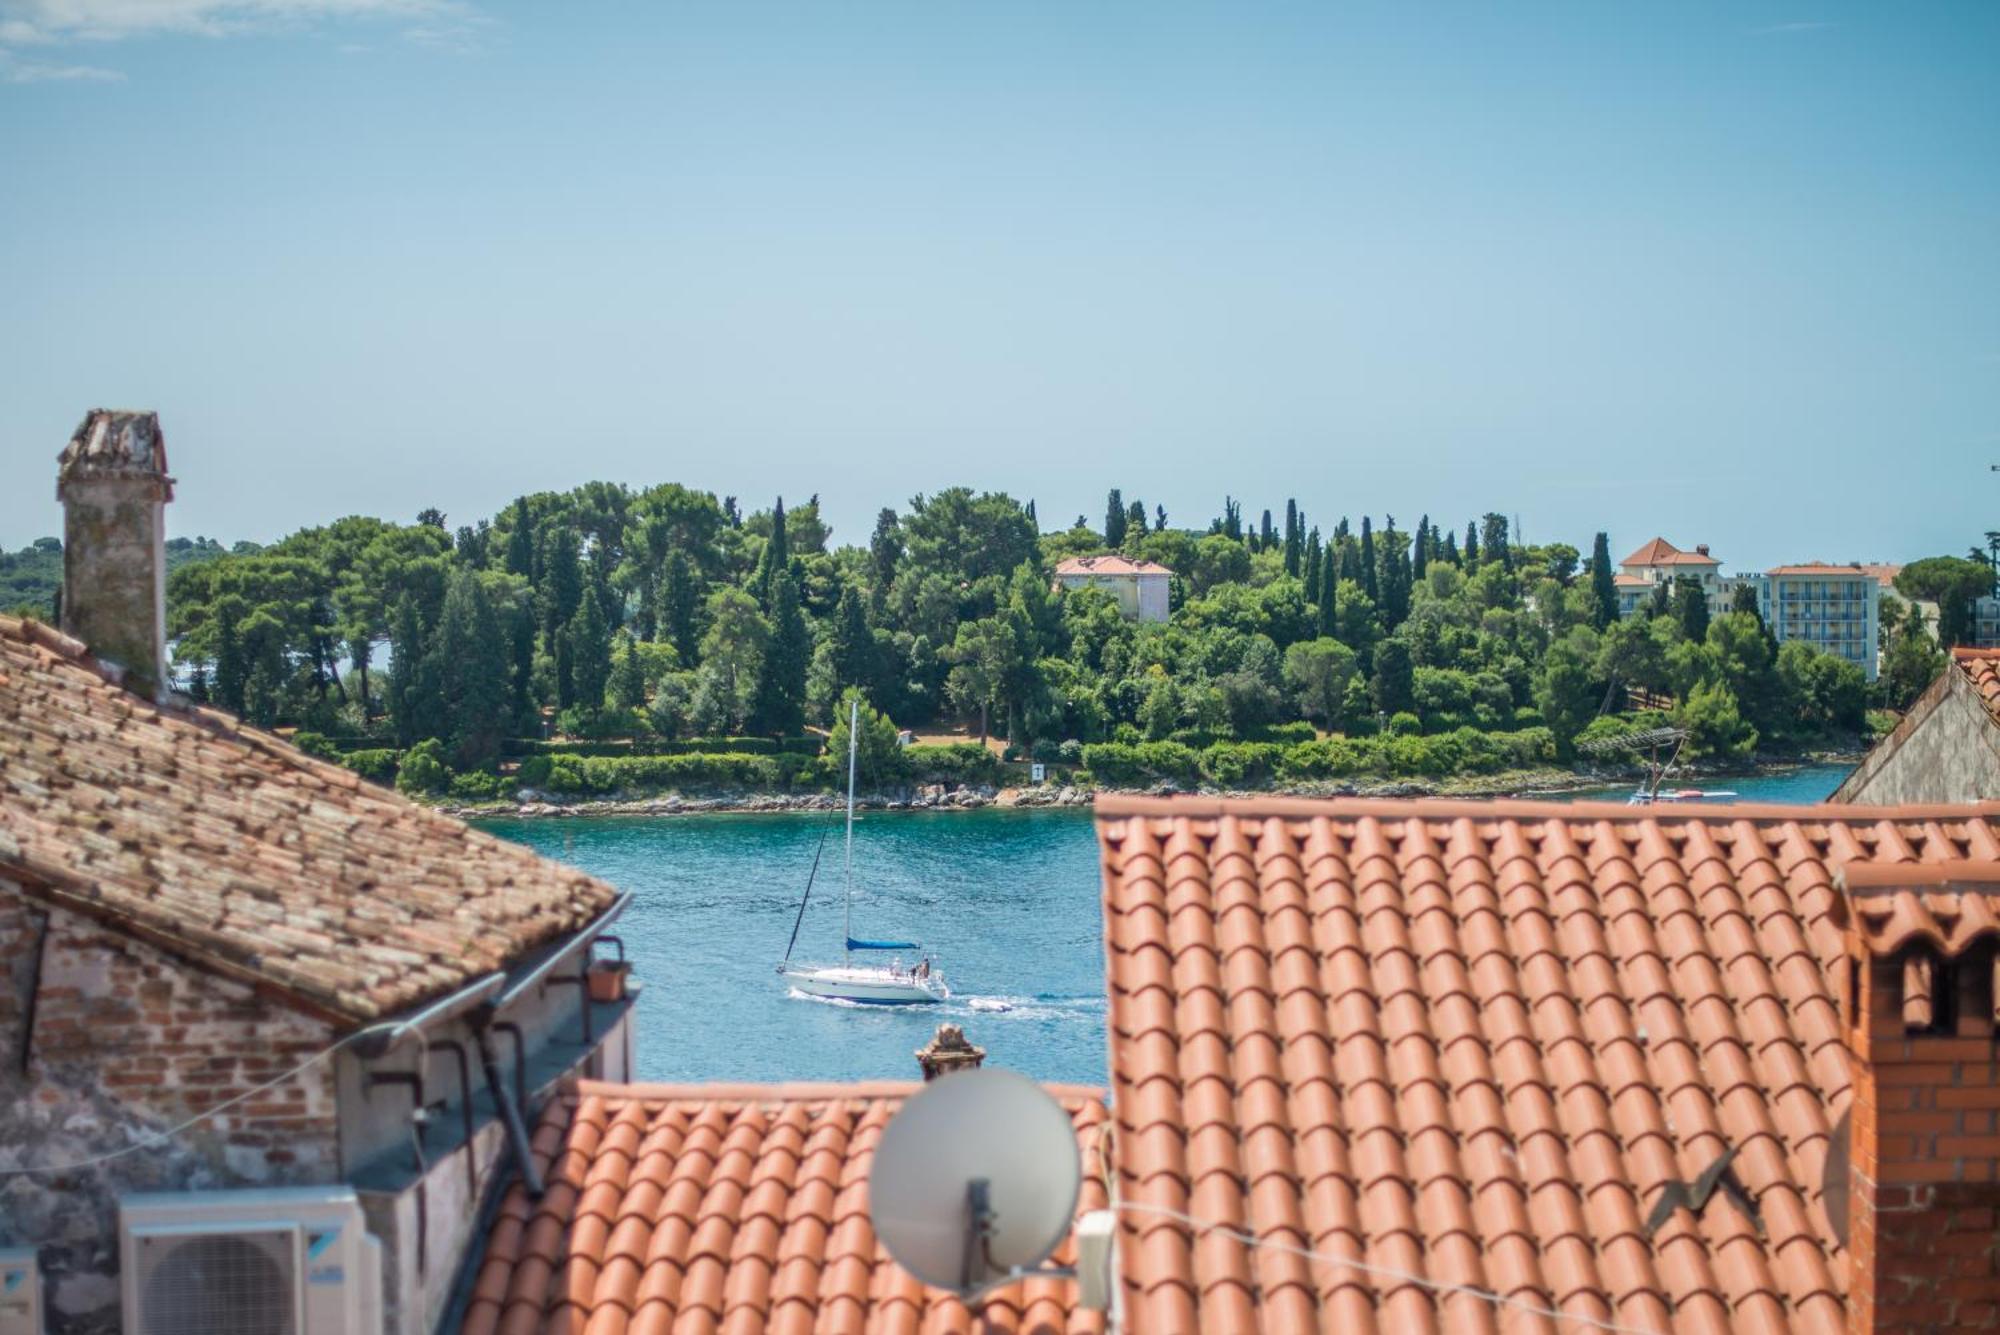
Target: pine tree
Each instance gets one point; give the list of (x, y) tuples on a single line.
[(1115, 519), (471, 672), (1420, 558), (562, 582), (628, 677), (679, 600), (589, 639), (1603, 588), (1471, 546), (779, 705), (1370, 581), (1744, 599)]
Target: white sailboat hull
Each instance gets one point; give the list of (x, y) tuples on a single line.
[(867, 986)]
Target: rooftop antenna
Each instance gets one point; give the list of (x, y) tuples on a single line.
[(975, 1182)]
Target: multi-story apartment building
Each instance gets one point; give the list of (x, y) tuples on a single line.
[(1835, 608)]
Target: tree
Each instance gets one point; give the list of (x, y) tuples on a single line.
[(779, 708), (589, 638), (678, 601), (1159, 517), (1295, 548), (562, 581), (521, 541), (1603, 585), (1317, 672), (1955, 584), (1135, 519), (1823, 690), (1493, 540), (1744, 599), (471, 671), (1327, 600), (885, 549), (628, 676), (1370, 577), (1420, 556), (1314, 559), (878, 755), (852, 643), (1912, 663), (1115, 519), (732, 659), (1566, 689), (1393, 686), (416, 696), (985, 657), (1691, 608), (777, 558), (1393, 579), (1471, 547), (1715, 727)]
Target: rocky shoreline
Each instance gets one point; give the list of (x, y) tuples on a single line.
[(979, 797)]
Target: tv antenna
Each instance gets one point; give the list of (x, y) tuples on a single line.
[(975, 1182)]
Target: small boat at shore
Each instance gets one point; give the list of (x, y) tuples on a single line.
[(894, 983), (1667, 796)]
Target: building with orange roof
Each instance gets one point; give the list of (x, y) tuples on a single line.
[(1141, 587), (227, 965), (1459, 1066), (1660, 562), (1835, 608), (1946, 747)]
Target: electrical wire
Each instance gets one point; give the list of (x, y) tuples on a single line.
[(153, 1138), (1252, 1241)]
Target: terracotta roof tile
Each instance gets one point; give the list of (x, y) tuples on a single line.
[(1109, 565), (1474, 1042), (234, 849), (1982, 667), (1824, 568), (762, 1223)]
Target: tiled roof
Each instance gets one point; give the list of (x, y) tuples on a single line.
[(1885, 575), (1819, 568), (1109, 565), (1983, 667), (1688, 559), (230, 847), (1473, 1043), (1631, 582), (1651, 554), (733, 1207)]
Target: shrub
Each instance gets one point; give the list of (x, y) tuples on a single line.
[(315, 744), (534, 772), (422, 769), (480, 786), (1235, 764), (1405, 724), (1070, 752), (955, 762), (377, 765)]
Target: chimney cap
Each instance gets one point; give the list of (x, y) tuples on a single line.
[(115, 442)]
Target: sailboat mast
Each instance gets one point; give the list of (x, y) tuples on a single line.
[(847, 893)]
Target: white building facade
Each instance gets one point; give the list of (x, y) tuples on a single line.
[(1141, 587)]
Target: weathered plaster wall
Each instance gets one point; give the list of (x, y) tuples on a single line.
[(1947, 749), (128, 1040), (115, 571)]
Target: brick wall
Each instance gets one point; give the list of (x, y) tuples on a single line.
[(126, 1040), (1924, 1195)]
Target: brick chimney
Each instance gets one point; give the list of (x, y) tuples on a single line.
[(1923, 1189), (112, 480), (949, 1050)]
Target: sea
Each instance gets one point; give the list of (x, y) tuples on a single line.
[(1007, 899)]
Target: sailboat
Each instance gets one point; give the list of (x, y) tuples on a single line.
[(891, 984)]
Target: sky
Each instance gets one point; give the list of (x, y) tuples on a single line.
[(1721, 272)]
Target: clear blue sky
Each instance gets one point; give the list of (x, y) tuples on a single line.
[(1729, 273)]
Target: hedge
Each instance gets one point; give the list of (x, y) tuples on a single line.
[(610, 774), (654, 746), (954, 762), (378, 763), (1247, 764)]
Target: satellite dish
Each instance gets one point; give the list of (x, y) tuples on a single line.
[(975, 1180)]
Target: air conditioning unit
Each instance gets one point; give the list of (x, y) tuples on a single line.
[(261, 1261), (20, 1292)]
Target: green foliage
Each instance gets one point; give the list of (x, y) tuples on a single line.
[(378, 765), (422, 768), (1955, 584), (879, 758), (1716, 727)]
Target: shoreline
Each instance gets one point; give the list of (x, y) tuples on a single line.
[(1527, 784)]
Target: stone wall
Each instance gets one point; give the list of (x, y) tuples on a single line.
[(128, 1040), (1946, 749)]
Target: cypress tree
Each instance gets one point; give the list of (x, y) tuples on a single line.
[(1420, 558), (1327, 618), (1394, 686), (678, 601), (852, 642), (1115, 519), (523, 668), (1135, 519), (1394, 581), (589, 641), (1313, 554), (562, 581), (1032, 517), (1691, 609), (779, 705), (1267, 534), (1159, 519), (885, 548), (521, 542), (1450, 552), (232, 664), (777, 558), (1603, 588), (1493, 537), (1471, 546), (564, 655), (1232, 519), (471, 671), (1744, 599), (1295, 546), (1370, 584), (416, 704), (1660, 603)]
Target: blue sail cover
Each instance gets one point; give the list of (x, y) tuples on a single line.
[(853, 944)]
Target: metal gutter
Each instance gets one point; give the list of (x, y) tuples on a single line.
[(376, 1040)]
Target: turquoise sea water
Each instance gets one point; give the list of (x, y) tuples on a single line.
[(1008, 899)]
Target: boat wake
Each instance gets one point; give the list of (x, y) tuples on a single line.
[(1035, 1007), (795, 995)]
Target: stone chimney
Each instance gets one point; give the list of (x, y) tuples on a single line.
[(1922, 1184), (949, 1050), (112, 480), (1701, 549)]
